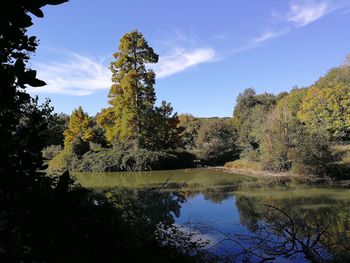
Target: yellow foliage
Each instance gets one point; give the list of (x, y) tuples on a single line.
[(328, 109), (80, 126)]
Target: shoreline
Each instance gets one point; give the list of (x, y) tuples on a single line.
[(258, 173), (279, 177)]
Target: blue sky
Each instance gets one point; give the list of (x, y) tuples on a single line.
[(210, 51)]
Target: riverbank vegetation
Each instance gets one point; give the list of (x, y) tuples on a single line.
[(304, 131), (133, 133), (52, 219)]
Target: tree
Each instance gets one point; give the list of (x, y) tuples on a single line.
[(334, 76), (162, 132), (280, 132), (23, 123), (132, 94), (248, 116), (312, 154), (57, 124), (347, 61), (15, 76), (327, 109), (107, 120), (188, 127), (216, 142), (79, 127)]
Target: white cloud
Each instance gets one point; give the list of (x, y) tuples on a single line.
[(77, 75), (181, 59), (303, 13), (267, 35), (80, 75)]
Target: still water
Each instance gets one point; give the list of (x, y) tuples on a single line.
[(236, 213)]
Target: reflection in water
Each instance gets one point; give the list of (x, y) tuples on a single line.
[(218, 204)]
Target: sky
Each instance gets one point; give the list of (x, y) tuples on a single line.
[(209, 51)]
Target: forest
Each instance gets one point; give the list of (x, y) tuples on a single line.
[(47, 216)]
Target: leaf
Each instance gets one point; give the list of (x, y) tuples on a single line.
[(56, 2), (28, 75), (19, 66), (36, 11), (36, 82)]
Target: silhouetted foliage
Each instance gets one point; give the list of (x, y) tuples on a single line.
[(57, 124)]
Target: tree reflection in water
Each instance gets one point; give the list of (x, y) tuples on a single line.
[(304, 214)]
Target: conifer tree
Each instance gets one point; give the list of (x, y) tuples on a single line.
[(132, 94), (80, 126)]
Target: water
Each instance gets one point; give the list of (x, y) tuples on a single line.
[(230, 211)]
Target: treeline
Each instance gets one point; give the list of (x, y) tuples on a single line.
[(133, 133), (305, 131), (197, 142)]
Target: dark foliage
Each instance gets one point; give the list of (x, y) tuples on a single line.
[(48, 220)]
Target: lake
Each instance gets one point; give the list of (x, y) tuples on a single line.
[(236, 213)]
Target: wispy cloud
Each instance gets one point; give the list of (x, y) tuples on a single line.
[(182, 59), (81, 75), (75, 75), (300, 13), (303, 13), (181, 51), (259, 40), (268, 34)]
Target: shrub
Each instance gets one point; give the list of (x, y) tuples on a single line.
[(66, 159), (117, 159), (244, 164), (51, 151), (250, 155), (138, 160), (216, 143), (312, 155), (106, 160)]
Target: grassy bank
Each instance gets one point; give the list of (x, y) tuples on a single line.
[(339, 176)]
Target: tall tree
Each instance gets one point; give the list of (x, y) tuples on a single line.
[(279, 132), (248, 116), (132, 94)]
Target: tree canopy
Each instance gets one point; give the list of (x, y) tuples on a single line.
[(132, 94), (328, 108), (80, 126)]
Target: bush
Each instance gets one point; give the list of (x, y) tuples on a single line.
[(115, 159), (312, 155), (244, 164), (51, 151), (106, 160), (250, 155), (215, 144), (64, 160)]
